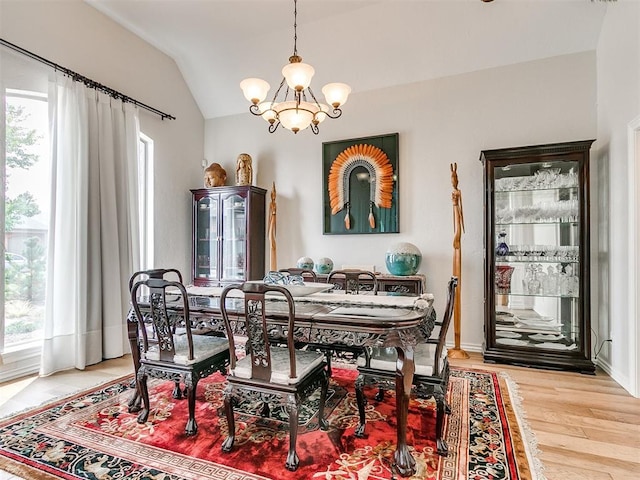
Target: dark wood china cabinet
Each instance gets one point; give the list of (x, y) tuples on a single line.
[(228, 235), (537, 286)]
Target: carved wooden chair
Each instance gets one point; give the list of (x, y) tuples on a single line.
[(167, 355), (154, 273), (306, 274), (132, 325), (352, 278), (431, 378), (269, 373)]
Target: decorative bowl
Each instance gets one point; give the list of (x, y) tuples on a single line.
[(403, 259), (305, 262), (324, 265)]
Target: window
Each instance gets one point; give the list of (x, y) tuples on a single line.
[(25, 217), (145, 204)]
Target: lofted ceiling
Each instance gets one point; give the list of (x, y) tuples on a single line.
[(368, 44)]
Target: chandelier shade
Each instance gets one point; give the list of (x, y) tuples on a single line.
[(336, 94), (298, 75), (302, 110), (255, 89)]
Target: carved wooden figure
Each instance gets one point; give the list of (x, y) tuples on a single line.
[(272, 230), (458, 229), (214, 176), (244, 170)]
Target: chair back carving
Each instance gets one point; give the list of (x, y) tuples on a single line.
[(162, 326), (352, 279), (306, 274), (257, 328), (444, 324), (154, 273)]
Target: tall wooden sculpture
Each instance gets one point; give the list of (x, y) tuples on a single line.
[(273, 263), (458, 229)]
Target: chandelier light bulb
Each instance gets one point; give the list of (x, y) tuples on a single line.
[(336, 94), (254, 89), (268, 111), (294, 118), (298, 75)]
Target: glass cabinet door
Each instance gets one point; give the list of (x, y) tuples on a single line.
[(537, 307), (537, 256), (206, 266), (234, 241)]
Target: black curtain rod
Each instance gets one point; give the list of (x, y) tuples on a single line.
[(87, 81)]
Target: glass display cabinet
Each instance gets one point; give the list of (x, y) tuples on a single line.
[(228, 235), (537, 288)]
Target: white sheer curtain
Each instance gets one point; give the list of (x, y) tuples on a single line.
[(94, 230)]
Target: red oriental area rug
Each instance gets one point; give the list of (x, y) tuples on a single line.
[(92, 436)]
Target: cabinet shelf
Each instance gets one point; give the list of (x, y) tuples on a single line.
[(572, 223), (537, 305), (538, 295), (509, 193), (532, 259)]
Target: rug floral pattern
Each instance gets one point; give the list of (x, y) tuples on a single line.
[(93, 436)]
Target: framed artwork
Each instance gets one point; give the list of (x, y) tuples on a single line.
[(360, 185)]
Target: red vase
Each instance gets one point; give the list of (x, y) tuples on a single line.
[(503, 279)]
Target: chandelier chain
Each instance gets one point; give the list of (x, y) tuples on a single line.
[(295, 27)]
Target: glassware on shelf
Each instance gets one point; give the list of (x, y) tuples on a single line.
[(541, 212), (543, 179), (503, 279), (502, 249)]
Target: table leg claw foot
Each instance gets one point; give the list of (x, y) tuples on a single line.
[(405, 463), (227, 445), (292, 462)]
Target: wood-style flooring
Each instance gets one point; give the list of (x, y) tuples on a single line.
[(587, 427)]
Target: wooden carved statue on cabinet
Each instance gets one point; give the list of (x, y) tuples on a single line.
[(215, 176), (244, 170)]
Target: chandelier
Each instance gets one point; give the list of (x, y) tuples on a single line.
[(303, 109)]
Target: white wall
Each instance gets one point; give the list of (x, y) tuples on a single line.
[(439, 122), (77, 36), (618, 69)]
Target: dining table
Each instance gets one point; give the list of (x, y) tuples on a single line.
[(323, 318)]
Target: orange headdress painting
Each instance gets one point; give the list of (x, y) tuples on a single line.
[(380, 170)]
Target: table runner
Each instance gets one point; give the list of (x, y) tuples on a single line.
[(421, 302)]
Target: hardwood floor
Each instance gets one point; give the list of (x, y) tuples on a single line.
[(587, 427)]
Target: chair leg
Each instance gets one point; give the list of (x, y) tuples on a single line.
[(144, 393), (227, 445), (292, 457), (192, 426), (134, 403), (322, 421), (177, 391), (361, 401), (441, 446), (328, 353)]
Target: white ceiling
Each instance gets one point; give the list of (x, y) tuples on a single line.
[(367, 44)]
